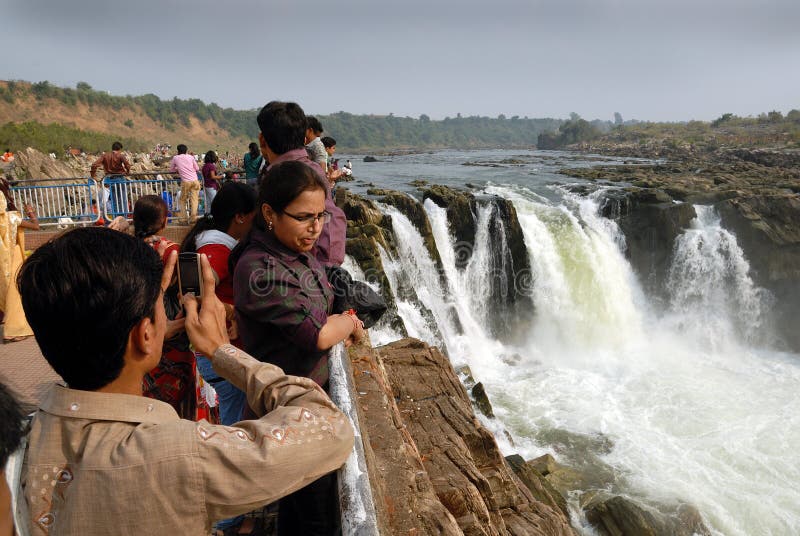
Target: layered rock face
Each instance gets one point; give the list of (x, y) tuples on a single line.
[(434, 468)]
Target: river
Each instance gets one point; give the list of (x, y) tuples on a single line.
[(670, 401)]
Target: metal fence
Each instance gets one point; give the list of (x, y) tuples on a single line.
[(59, 201), (84, 201)]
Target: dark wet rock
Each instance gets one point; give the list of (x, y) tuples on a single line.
[(378, 192), (367, 228), (415, 212), (767, 228), (536, 482), (460, 212), (511, 271), (620, 516), (418, 183), (370, 159), (482, 400), (651, 222)]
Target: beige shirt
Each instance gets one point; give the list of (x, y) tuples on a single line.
[(101, 463)]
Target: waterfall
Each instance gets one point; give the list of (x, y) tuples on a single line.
[(672, 406), (709, 275)]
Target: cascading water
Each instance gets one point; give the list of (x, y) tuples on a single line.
[(710, 275), (636, 397)]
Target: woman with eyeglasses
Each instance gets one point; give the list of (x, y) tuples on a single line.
[(282, 303)]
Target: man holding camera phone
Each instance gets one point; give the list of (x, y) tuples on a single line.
[(102, 458)]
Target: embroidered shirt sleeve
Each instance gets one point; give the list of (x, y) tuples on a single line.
[(300, 436)]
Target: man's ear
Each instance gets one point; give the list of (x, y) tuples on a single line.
[(142, 337)]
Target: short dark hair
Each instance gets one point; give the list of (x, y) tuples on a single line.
[(116, 146), (313, 123), (210, 157), (283, 125), (182, 148), (11, 425), (149, 214), (82, 294), (328, 142)]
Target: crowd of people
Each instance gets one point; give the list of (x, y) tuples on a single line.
[(181, 411)]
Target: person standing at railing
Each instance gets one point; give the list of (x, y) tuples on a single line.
[(211, 180), (12, 253), (116, 166), (186, 167), (252, 164)]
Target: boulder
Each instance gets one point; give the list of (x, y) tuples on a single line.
[(620, 516), (433, 428), (482, 400), (32, 164), (538, 485), (370, 159)]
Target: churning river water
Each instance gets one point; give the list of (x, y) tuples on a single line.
[(670, 401)]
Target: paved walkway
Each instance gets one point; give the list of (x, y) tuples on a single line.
[(25, 371)]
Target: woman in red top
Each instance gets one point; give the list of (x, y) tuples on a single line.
[(231, 217)]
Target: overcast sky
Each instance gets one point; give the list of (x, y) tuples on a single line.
[(647, 59)]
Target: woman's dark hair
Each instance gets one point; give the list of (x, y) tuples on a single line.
[(328, 142), (278, 187), (232, 199), (11, 425), (149, 214), (254, 150), (210, 157), (82, 294), (283, 183)]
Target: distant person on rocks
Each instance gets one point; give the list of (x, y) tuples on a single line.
[(11, 434), (252, 163), (8, 156), (116, 166), (211, 180), (283, 129), (115, 462), (314, 146), (185, 166), (330, 148)]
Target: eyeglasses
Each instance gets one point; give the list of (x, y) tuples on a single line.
[(323, 217)]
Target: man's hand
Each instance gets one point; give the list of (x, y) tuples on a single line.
[(206, 326)]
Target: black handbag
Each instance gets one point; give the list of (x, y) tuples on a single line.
[(357, 295)]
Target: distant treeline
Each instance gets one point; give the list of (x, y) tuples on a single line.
[(351, 131), (56, 138)]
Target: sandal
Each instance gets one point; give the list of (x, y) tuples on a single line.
[(15, 339)]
